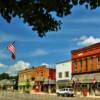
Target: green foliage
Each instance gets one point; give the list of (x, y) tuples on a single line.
[(4, 76), (7, 76), (37, 13)]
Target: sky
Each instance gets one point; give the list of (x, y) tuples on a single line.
[(80, 29)]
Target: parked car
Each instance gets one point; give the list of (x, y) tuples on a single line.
[(65, 92)]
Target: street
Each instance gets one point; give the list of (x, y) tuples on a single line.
[(41, 97)]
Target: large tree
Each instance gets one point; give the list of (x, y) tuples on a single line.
[(4, 76), (37, 13)]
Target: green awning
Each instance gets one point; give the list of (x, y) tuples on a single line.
[(23, 83)]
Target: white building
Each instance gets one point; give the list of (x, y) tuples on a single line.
[(63, 74)]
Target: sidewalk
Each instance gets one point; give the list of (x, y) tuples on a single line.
[(42, 93), (91, 96)]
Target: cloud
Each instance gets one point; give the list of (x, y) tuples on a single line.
[(91, 20), (20, 65), (39, 52), (5, 37), (45, 64), (2, 65), (87, 20), (48, 65), (84, 40)]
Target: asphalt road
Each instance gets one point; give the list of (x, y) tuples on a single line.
[(41, 97)]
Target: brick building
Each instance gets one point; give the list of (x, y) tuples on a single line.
[(86, 68), (37, 79), (45, 79), (26, 79)]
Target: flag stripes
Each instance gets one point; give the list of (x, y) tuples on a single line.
[(12, 49)]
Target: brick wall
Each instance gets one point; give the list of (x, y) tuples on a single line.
[(90, 53)]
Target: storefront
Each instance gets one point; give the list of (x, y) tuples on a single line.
[(24, 86), (64, 84), (86, 69), (6, 85), (88, 82), (49, 86)]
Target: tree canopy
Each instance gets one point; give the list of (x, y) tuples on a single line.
[(4, 76), (37, 13)]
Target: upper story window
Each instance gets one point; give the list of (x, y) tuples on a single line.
[(60, 74), (66, 74), (92, 63), (75, 66), (98, 58), (98, 62), (80, 65), (41, 74), (86, 63)]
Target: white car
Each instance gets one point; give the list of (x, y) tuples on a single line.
[(65, 92)]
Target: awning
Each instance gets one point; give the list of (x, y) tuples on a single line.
[(87, 78), (23, 83), (6, 82), (49, 82), (65, 82)]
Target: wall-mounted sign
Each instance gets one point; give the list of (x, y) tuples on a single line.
[(80, 54)]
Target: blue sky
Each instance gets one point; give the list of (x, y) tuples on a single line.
[(81, 28)]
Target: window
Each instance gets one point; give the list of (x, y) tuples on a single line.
[(60, 74), (86, 64), (41, 74), (98, 62), (98, 58), (75, 66), (92, 63), (98, 85), (67, 74), (66, 89), (80, 65)]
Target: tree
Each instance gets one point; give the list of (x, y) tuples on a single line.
[(37, 13), (7, 76), (4, 76)]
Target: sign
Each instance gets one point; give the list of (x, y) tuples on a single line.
[(80, 54), (94, 79)]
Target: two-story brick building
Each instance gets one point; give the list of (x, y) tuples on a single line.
[(86, 68), (45, 79), (26, 79), (40, 78)]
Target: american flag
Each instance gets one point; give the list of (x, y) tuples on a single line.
[(12, 49)]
